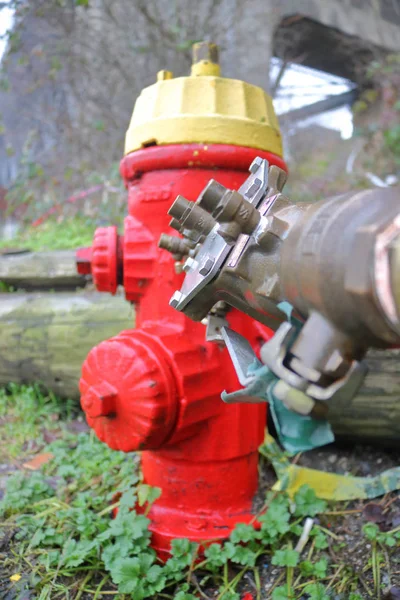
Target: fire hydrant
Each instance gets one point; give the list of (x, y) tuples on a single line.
[(156, 388)]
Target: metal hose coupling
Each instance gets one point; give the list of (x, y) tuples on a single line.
[(335, 261), (229, 208)]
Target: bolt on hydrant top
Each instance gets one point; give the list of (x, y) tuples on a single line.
[(203, 108)]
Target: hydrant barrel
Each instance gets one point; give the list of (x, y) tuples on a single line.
[(157, 388)]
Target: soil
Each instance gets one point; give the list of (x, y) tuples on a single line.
[(353, 549), (357, 460)]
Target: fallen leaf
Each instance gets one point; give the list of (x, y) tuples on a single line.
[(395, 521), (49, 436), (77, 426), (15, 577), (374, 513), (38, 461), (393, 593)]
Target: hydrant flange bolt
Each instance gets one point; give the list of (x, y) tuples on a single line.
[(189, 263), (176, 298), (255, 164), (206, 267)]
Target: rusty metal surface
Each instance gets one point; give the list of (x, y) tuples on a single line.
[(333, 261)]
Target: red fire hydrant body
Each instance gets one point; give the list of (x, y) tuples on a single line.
[(157, 388)]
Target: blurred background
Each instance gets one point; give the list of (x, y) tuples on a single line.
[(70, 72), (72, 69)]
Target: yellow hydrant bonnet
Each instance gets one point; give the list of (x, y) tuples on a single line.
[(203, 108)]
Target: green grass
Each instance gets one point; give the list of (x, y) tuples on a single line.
[(27, 415), (70, 233), (63, 544)]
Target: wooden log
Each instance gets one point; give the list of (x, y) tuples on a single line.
[(41, 270), (45, 337), (374, 414)]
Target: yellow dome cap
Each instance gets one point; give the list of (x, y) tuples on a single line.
[(203, 108)]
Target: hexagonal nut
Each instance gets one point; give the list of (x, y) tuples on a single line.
[(189, 263), (277, 178), (278, 227), (256, 164), (176, 298), (334, 362), (270, 287), (206, 266)]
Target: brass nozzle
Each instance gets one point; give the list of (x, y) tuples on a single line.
[(174, 245), (189, 216), (179, 208), (174, 223), (235, 214), (211, 196)]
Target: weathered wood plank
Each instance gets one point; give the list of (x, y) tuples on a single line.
[(46, 337), (374, 414), (41, 270)]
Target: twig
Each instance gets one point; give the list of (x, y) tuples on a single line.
[(192, 564), (258, 582), (108, 509), (193, 579), (365, 586), (277, 582), (338, 513), (98, 589), (335, 576), (88, 591), (395, 530), (82, 586), (305, 535), (387, 562), (296, 458), (332, 535), (387, 506)]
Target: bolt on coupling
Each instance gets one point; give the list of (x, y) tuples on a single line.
[(191, 217), (175, 245), (235, 214)]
